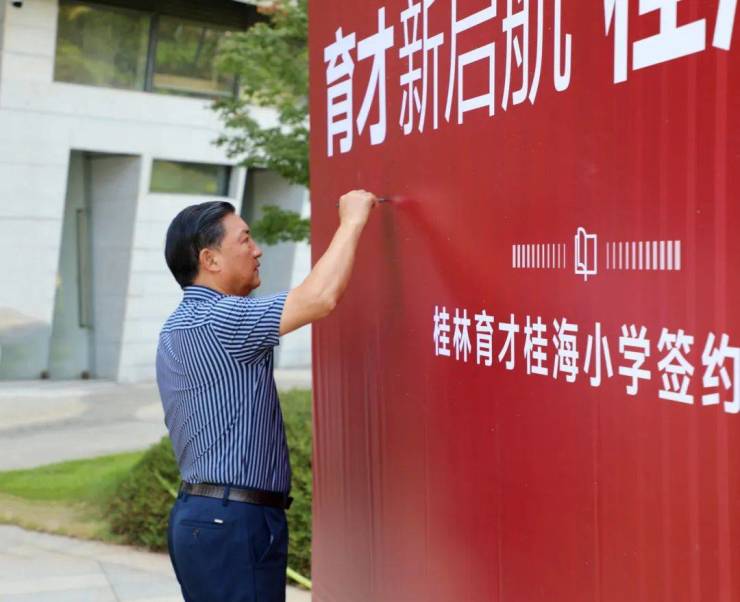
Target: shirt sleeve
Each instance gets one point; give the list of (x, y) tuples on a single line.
[(247, 326)]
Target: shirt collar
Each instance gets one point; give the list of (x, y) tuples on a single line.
[(196, 292)]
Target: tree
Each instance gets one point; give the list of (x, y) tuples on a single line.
[(271, 62)]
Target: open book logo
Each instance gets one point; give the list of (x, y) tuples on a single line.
[(585, 254)]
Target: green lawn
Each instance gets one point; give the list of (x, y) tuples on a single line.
[(88, 481), (66, 498)]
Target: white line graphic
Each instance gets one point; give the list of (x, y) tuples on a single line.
[(651, 255), (539, 256)]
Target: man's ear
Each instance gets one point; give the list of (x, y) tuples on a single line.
[(209, 260)]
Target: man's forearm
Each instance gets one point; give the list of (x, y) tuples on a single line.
[(319, 293), (332, 271)]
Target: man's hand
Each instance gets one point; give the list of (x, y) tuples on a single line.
[(319, 293), (355, 206)]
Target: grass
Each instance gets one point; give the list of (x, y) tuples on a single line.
[(66, 498)]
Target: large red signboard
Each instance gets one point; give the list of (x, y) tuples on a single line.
[(531, 390)]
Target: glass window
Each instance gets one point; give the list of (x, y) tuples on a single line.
[(185, 57), (101, 46), (190, 178)]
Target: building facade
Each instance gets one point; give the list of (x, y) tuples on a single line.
[(106, 132)]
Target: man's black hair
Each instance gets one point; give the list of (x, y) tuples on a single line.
[(195, 228)]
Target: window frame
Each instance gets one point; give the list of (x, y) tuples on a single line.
[(112, 8), (151, 57), (152, 60), (224, 178)]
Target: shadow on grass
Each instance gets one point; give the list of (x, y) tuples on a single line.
[(68, 498)]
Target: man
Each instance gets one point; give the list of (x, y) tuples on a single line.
[(227, 535)]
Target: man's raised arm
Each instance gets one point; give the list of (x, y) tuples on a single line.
[(320, 292)]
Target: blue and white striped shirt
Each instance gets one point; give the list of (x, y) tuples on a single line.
[(214, 371)]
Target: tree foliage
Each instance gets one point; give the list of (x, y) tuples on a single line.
[(277, 225), (271, 62)]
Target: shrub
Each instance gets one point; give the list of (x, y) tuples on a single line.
[(297, 414), (140, 508)]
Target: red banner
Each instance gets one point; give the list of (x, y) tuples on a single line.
[(531, 390)]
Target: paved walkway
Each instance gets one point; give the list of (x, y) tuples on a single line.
[(50, 421), (36, 567)]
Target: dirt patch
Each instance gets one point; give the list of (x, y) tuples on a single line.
[(74, 520)]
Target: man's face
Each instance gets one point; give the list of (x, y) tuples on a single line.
[(239, 257)]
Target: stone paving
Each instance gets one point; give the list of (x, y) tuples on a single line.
[(36, 567)]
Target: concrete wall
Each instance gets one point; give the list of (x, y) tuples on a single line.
[(41, 123), (113, 188), (285, 264), (71, 336)]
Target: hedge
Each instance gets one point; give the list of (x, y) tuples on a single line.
[(139, 510)]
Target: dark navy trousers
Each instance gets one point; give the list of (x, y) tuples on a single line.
[(226, 551)]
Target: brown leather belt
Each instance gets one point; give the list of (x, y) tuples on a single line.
[(238, 494)]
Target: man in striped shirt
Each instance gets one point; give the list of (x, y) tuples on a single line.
[(227, 533)]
